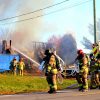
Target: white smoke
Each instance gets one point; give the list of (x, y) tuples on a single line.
[(68, 48), (22, 32)]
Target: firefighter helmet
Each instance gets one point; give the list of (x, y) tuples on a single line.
[(79, 51), (47, 52)]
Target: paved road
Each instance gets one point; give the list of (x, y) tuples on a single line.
[(60, 95)]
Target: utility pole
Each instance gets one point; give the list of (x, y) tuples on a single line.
[(94, 14)]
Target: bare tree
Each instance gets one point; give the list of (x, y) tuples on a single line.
[(86, 42)]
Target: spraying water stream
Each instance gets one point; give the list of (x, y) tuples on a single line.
[(26, 56)]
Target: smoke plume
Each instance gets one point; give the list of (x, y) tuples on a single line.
[(22, 33), (68, 48), (65, 46)]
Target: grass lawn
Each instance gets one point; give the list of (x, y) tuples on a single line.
[(10, 84)]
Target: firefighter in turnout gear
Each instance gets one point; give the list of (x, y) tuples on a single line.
[(94, 67), (21, 66), (82, 76), (92, 71), (13, 66), (97, 72), (51, 70)]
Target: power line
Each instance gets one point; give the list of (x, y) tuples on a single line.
[(75, 5), (35, 10)]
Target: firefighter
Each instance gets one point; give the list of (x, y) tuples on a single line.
[(92, 71), (94, 67), (97, 72), (21, 66), (82, 76), (13, 66), (51, 70)]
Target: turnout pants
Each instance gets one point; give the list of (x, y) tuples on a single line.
[(82, 79), (95, 82), (52, 82)]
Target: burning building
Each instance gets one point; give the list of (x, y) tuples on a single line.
[(6, 55)]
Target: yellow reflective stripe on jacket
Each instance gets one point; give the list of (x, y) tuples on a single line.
[(54, 71), (21, 65), (84, 69), (49, 68), (95, 51)]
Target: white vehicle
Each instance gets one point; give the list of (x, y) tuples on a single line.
[(70, 71)]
